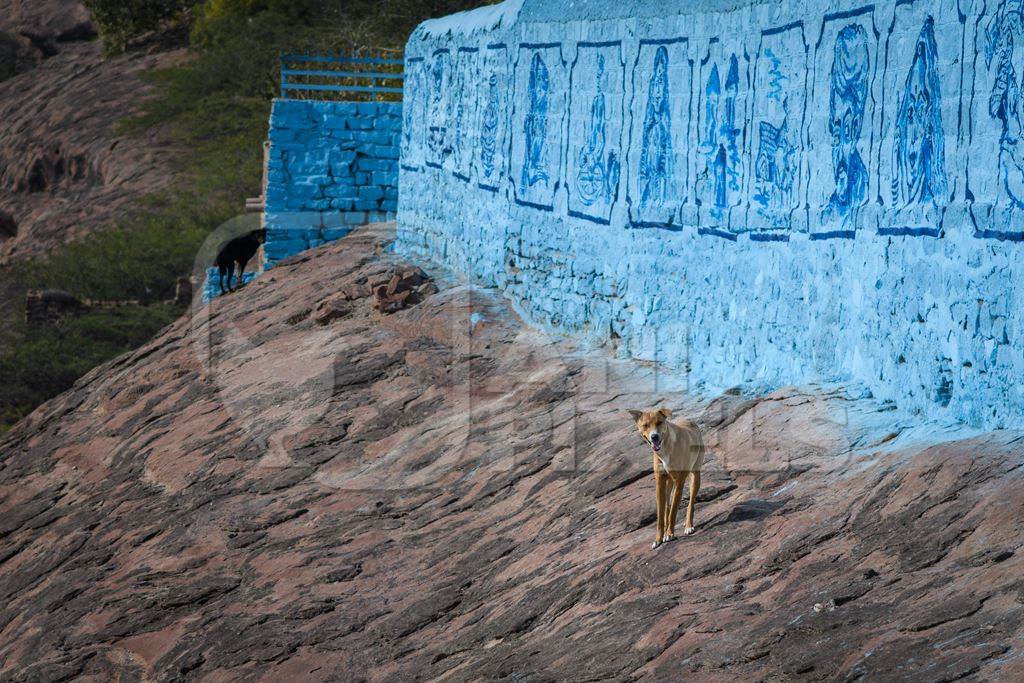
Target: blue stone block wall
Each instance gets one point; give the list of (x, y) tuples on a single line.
[(766, 192), (332, 166)]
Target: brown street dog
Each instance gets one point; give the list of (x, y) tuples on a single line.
[(678, 451)]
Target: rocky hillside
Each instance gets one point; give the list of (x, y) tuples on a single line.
[(292, 485), (64, 170), (35, 29)]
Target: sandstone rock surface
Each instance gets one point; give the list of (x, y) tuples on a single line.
[(64, 169), (47, 21), (444, 493)]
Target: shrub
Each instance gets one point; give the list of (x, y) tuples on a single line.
[(295, 9), (50, 359), (121, 21)]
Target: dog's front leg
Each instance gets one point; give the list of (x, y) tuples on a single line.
[(659, 496), (678, 479)]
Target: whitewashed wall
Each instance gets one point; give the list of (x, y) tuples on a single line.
[(768, 192)]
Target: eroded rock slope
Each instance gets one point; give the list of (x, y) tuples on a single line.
[(270, 492), (65, 170)]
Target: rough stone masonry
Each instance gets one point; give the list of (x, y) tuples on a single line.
[(769, 192), (332, 166)]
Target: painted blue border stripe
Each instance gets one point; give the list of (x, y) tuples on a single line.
[(715, 232), (911, 232), (768, 237), (834, 235)]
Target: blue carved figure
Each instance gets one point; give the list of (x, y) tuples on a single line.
[(596, 176), (714, 173), (732, 84), (777, 80), (460, 112), (721, 167), (721, 136), (712, 93), (848, 94), (775, 165), (412, 94), (489, 127), (1004, 104), (656, 148), (437, 71), (730, 131), (438, 110), (535, 128), (919, 164)]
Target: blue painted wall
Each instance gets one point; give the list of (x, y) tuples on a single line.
[(211, 284), (771, 192), (332, 165)]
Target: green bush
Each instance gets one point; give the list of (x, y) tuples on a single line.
[(384, 22), (140, 260), (50, 359), (121, 21), (294, 10)]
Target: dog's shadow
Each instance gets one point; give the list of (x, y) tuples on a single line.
[(746, 511)]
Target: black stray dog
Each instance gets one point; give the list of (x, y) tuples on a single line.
[(239, 250)]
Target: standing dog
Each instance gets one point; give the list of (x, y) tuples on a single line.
[(239, 250), (678, 451)]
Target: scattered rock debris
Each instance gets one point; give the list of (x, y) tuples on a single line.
[(391, 289), (405, 288)]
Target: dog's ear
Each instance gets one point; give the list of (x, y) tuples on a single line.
[(665, 413), (636, 414)]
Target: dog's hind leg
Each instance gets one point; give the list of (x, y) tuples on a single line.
[(231, 275), (221, 271), (694, 490), (678, 479)]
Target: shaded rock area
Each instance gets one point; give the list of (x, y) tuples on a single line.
[(8, 226), (33, 30), (11, 56), (47, 23), (64, 170), (444, 493)]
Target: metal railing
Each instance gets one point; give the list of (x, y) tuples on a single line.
[(377, 76)]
